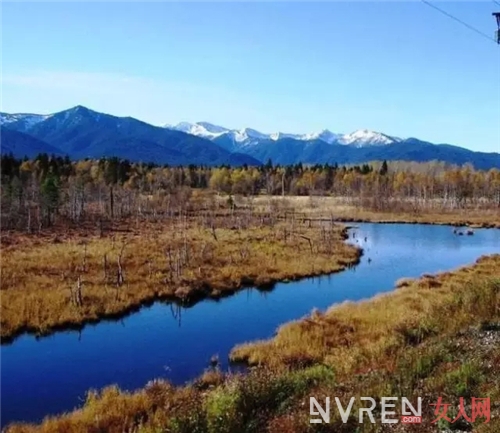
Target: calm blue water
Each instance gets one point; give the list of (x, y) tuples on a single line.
[(52, 374)]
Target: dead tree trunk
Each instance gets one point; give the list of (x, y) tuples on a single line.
[(84, 266), (308, 240), (105, 267), (120, 278), (76, 293)]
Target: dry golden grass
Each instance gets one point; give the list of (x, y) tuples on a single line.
[(113, 410), (343, 209), (422, 340), (361, 334), (184, 262), (404, 282)]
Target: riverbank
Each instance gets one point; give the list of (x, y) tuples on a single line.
[(410, 314), (343, 209), (434, 336), (61, 282)]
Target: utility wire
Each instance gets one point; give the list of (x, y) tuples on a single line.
[(497, 3), (479, 32)]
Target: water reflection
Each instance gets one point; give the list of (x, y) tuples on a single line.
[(52, 374)]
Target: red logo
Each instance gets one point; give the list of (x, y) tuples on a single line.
[(480, 408)]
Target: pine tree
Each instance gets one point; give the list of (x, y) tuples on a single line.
[(384, 169), (50, 196)]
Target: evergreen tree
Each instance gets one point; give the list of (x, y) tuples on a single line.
[(384, 169), (50, 196)]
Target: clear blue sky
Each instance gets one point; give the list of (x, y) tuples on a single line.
[(399, 68)]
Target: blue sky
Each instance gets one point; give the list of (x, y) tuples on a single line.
[(399, 68)]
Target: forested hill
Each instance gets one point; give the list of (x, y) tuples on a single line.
[(46, 187), (83, 133)]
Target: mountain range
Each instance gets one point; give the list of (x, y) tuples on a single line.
[(329, 147), (83, 133), (247, 136)]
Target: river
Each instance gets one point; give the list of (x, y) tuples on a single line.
[(51, 375)]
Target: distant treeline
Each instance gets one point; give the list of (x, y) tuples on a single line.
[(35, 192)]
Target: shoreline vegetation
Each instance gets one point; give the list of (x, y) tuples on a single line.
[(329, 337), (92, 240), (54, 283), (434, 336), (88, 240), (48, 191), (348, 210), (63, 278)]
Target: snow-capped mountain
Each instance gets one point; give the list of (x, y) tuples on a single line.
[(363, 137), (281, 135), (214, 129), (248, 136), (201, 129), (22, 121), (208, 130), (325, 135), (80, 132)]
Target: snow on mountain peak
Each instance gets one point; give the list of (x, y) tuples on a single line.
[(27, 119), (249, 133), (324, 135), (201, 129), (364, 137), (249, 136), (182, 126), (275, 136), (214, 129)]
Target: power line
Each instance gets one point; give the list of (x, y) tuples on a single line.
[(497, 3), (479, 32)]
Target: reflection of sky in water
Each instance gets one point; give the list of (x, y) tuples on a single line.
[(52, 374)]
